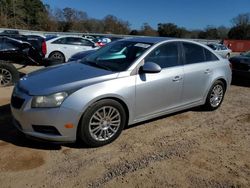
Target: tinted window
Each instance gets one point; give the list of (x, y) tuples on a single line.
[(60, 41), (73, 40), (210, 56), (212, 46), (7, 45), (1, 41), (165, 56), (86, 43), (223, 48), (193, 53)]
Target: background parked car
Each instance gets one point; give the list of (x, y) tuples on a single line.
[(19, 52), (62, 48), (241, 65), (38, 42), (222, 50)]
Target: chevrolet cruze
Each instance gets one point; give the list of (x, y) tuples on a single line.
[(123, 83)]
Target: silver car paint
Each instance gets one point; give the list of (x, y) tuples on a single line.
[(142, 95)]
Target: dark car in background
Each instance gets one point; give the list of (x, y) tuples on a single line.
[(19, 49), (241, 65)]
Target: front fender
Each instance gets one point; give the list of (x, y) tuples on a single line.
[(121, 88)]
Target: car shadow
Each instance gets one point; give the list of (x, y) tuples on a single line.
[(9, 134), (194, 109)]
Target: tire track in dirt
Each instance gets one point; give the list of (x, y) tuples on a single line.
[(178, 149)]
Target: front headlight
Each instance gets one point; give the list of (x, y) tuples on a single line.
[(50, 101)]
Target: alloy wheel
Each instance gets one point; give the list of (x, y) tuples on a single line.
[(104, 123), (5, 77), (216, 95)]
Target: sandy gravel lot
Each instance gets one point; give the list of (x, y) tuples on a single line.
[(188, 149)]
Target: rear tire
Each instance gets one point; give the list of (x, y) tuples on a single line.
[(102, 123), (215, 96), (8, 74), (57, 57)]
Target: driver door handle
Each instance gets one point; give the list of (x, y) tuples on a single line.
[(207, 71), (177, 78)]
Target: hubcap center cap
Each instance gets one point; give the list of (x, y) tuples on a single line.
[(105, 125)]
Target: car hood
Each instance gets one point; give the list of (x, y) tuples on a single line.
[(66, 77)]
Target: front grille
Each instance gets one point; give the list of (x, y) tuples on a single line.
[(46, 129), (17, 102)]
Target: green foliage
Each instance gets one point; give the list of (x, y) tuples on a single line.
[(241, 32), (171, 30), (241, 28)]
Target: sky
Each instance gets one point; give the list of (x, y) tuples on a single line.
[(191, 14)]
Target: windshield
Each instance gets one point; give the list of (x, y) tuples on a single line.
[(116, 56)]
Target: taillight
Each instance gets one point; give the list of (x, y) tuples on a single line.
[(44, 48)]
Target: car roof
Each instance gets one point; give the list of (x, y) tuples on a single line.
[(152, 40), (65, 36)]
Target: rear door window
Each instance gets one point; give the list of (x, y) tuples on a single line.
[(197, 54), (193, 53)]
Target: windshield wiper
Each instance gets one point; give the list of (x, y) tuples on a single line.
[(95, 64)]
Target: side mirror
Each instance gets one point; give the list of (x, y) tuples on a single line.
[(150, 67)]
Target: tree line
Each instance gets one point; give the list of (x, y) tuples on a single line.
[(34, 15)]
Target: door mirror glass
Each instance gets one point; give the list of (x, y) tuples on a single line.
[(150, 67)]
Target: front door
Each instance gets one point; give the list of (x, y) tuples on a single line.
[(161, 91)]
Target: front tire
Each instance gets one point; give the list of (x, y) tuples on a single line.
[(8, 74), (102, 123), (215, 96)]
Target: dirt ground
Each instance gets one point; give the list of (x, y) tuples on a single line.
[(194, 148)]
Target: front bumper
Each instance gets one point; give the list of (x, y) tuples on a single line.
[(26, 117)]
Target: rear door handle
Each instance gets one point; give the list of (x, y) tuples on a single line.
[(177, 78), (207, 71)]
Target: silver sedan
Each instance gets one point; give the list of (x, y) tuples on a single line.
[(126, 82)]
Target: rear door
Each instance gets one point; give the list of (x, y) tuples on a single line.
[(198, 72)]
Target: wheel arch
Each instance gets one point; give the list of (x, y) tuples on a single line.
[(212, 83), (223, 81), (115, 98)]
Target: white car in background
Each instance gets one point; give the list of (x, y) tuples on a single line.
[(222, 50), (62, 48)]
